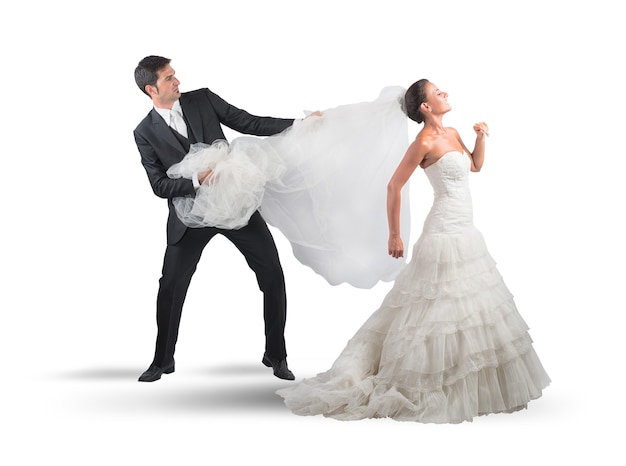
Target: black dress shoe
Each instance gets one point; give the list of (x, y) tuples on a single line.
[(154, 372), (280, 367)]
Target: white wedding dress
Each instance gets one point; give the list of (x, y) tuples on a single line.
[(447, 344), (321, 182)]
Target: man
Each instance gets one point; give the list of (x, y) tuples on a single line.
[(163, 139)]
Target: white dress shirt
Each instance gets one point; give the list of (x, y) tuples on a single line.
[(167, 115)]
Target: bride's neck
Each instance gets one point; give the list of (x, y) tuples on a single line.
[(435, 124)]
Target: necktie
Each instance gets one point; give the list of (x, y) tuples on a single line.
[(178, 123)]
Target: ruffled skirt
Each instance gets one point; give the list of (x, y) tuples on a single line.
[(446, 345)]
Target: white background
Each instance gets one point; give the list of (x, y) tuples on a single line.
[(83, 235)]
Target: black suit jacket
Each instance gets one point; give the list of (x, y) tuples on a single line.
[(160, 148)]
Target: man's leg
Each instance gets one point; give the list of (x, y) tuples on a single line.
[(256, 243), (179, 265)]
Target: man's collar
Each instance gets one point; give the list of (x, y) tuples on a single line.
[(177, 108), (165, 112)]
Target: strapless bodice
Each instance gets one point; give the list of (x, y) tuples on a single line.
[(449, 173), (452, 206)]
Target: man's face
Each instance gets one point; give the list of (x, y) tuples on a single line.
[(166, 91)]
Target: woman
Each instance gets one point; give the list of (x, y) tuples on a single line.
[(447, 343)]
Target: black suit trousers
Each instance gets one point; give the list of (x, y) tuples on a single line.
[(257, 245)]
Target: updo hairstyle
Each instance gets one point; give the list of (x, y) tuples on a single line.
[(413, 99)]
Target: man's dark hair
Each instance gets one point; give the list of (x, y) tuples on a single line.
[(146, 71)]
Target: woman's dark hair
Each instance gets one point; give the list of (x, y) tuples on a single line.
[(414, 97), (146, 71)]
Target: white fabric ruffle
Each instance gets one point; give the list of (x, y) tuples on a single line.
[(228, 198), (321, 182)]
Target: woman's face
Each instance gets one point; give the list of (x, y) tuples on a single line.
[(436, 99)]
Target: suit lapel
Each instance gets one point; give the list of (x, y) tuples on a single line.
[(192, 118), (166, 132)]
